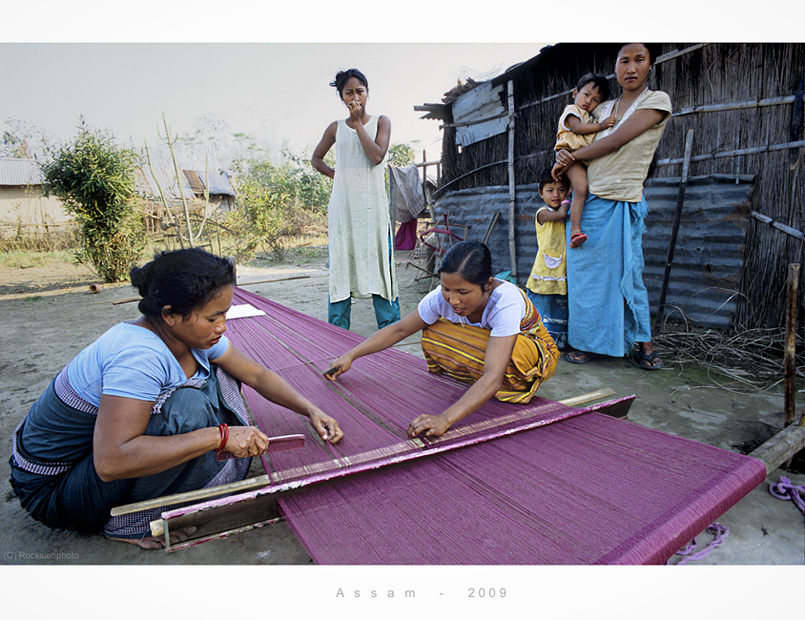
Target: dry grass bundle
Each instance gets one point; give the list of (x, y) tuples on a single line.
[(743, 361)]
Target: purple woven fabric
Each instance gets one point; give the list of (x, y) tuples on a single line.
[(373, 403), (589, 490)]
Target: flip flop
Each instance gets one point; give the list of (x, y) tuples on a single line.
[(581, 357), (645, 361), (577, 239)]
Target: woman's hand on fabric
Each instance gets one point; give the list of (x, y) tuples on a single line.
[(431, 425), (327, 428), (338, 367), (246, 441)]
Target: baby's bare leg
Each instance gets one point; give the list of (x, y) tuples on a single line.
[(577, 175)]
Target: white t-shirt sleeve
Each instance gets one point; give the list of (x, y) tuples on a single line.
[(506, 311), (431, 307), (502, 316)]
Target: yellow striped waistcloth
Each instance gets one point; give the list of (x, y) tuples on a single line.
[(459, 350)]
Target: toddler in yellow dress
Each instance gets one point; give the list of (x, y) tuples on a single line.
[(546, 287), (576, 129)]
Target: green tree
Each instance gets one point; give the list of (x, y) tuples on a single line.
[(276, 198), (401, 155), (95, 179), (262, 208), (311, 188)]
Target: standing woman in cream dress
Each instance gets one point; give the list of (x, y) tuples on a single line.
[(359, 226)]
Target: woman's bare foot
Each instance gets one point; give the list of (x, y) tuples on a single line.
[(158, 542)]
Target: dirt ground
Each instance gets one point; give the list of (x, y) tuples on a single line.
[(49, 315)]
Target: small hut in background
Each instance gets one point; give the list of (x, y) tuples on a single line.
[(165, 197), (25, 210), (739, 110)]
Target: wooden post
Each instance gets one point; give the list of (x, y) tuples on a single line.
[(791, 344), (796, 124), (680, 199), (512, 247), (780, 448)]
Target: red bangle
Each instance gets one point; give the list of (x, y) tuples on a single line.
[(224, 436)]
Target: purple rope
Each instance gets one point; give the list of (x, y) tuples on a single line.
[(788, 491), (689, 552)]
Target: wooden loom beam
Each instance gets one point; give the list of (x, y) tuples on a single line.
[(265, 480), (781, 447), (261, 510), (214, 521)]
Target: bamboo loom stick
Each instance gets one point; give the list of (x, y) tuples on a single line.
[(774, 224), (512, 195), (791, 344), (754, 150), (669, 260), (192, 496), (265, 480), (588, 397), (281, 279), (116, 302), (219, 523)]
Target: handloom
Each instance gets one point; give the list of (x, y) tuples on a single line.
[(502, 487)]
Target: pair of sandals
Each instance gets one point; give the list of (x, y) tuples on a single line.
[(646, 361)]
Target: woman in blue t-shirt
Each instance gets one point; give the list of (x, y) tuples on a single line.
[(146, 409)]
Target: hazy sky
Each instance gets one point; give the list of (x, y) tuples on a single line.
[(264, 67), (275, 91)]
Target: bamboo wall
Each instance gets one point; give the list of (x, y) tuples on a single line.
[(715, 90)]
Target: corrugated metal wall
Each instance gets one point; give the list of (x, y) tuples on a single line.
[(709, 254), (477, 206), (705, 277)]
